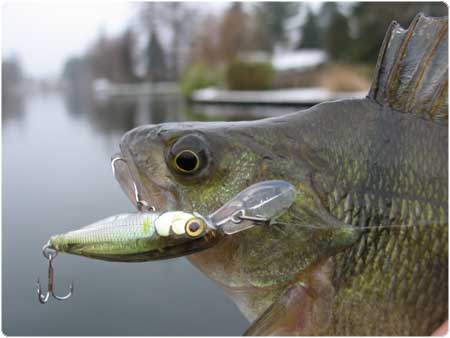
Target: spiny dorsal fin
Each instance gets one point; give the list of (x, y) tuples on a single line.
[(412, 69)]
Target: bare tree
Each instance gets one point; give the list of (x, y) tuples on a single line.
[(234, 31), (112, 58), (156, 64), (271, 18), (175, 22), (206, 46)]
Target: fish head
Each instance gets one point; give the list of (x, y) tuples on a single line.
[(139, 237), (190, 166), (201, 166)]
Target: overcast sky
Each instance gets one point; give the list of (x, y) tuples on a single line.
[(43, 35)]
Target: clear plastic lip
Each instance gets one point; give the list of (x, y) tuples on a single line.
[(266, 200)]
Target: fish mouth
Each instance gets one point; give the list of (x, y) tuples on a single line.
[(142, 187)]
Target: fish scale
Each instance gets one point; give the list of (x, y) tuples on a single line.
[(375, 271), (397, 196), (373, 258)]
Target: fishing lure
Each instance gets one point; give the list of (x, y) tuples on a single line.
[(149, 235)]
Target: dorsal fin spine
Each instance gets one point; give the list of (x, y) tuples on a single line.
[(373, 92), (412, 69), (395, 71), (439, 95), (412, 100)]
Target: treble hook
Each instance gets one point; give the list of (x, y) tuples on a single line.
[(50, 254), (140, 203)]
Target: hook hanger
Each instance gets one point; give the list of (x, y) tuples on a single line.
[(50, 255), (240, 215), (140, 203)]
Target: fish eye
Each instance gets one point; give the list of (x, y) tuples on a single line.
[(187, 161), (195, 227), (188, 156)]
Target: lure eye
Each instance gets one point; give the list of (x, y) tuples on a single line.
[(187, 161), (195, 227)]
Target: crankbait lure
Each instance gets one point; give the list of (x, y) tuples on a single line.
[(150, 235)]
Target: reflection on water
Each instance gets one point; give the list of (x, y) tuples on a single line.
[(123, 113), (13, 107)]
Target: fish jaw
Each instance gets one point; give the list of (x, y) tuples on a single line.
[(134, 238), (147, 173)]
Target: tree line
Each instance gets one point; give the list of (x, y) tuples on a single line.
[(166, 38)]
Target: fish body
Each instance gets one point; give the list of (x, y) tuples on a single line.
[(363, 249), (354, 164)]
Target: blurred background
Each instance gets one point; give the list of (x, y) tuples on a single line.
[(75, 77)]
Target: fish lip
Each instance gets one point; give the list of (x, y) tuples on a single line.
[(158, 195)]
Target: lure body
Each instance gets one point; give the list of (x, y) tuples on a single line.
[(129, 236)]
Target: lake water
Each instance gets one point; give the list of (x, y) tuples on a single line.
[(56, 178)]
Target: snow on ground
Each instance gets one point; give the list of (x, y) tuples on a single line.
[(307, 96), (299, 59)]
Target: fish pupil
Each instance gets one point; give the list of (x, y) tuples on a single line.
[(187, 160), (194, 226)]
